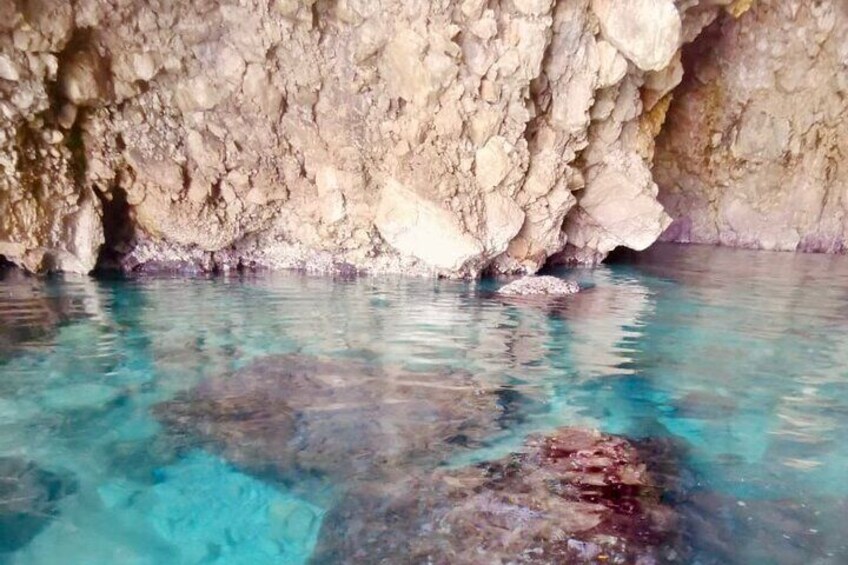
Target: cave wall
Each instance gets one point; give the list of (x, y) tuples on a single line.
[(393, 135), (755, 145)]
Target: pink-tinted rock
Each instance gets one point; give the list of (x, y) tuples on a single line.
[(572, 497)]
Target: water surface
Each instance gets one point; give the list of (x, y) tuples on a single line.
[(739, 358)]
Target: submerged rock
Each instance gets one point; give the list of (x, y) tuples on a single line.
[(29, 498), (30, 315), (574, 496), (290, 414), (784, 530), (533, 285)]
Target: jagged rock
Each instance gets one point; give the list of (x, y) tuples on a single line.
[(646, 31), (533, 285), (29, 499), (431, 137), (576, 496), (751, 154), (292, 413)]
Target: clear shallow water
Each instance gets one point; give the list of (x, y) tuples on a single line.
[(740, 357)]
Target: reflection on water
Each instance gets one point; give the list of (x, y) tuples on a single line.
[(222, 420)]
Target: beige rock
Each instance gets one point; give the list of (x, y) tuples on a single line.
[(615, 210), (330, 195), (504, 219), (8, 70), (646, 31), (84, 78), (420, 228), (492, 163), (417, 137), (751, 153)]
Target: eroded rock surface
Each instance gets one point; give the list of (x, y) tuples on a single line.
[(292, 414), (753, 154), (576, 496), (429, 137)]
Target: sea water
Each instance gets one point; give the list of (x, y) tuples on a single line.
[(740, 358)]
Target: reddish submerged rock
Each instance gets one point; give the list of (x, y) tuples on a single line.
[(573, 497), (380, 435)]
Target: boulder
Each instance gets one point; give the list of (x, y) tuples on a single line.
[(646, 31), (536, 285), (574, 496), (290, 414)]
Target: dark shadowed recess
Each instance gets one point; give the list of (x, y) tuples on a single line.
[(118, 231)]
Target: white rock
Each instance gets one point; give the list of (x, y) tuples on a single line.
[(617, 211), (504, 219), (646, 31), (8, 70), (535, 285), (613, 66), (420, 228), (492, 163)]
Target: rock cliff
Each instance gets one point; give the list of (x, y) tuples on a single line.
[(754, 149), (394, 135)]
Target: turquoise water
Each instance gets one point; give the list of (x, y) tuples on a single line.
[(739, 357)]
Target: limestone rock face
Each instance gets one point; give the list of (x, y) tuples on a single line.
[(753, 152), (422, 137)]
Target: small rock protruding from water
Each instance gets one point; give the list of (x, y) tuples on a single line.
[(533, 285), (29, 500)]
